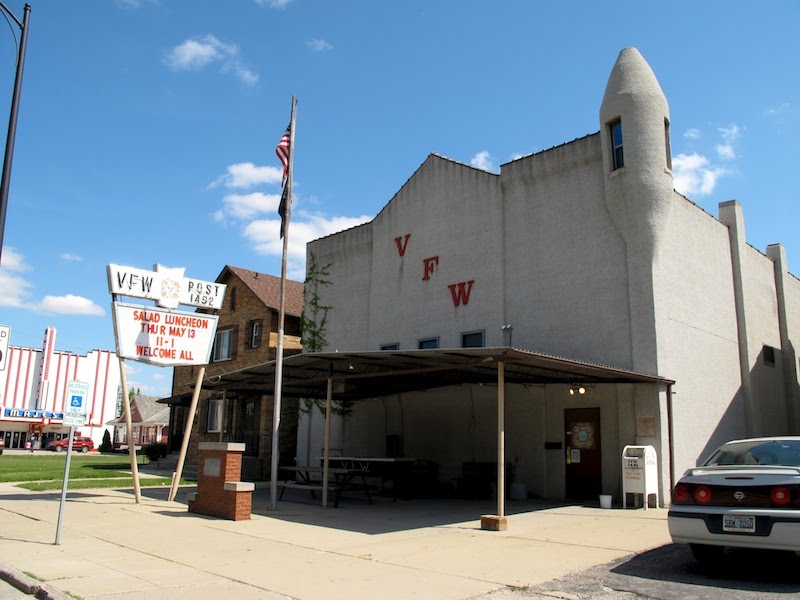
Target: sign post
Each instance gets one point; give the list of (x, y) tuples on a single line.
[(163, 336), (74, 416)]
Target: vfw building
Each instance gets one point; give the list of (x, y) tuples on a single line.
[(583, 251)]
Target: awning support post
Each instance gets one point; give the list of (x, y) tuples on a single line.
[(498, 522), (327, 441)]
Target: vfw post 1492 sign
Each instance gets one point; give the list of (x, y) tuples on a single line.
[(159, 335)]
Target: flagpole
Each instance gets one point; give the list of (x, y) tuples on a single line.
[(276, 414)]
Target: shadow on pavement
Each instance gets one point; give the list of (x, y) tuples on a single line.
[(741, 569)]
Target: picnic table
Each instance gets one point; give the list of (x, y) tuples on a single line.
[(309, 478), (395, 469)]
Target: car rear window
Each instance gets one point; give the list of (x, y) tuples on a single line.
[(773, 452)]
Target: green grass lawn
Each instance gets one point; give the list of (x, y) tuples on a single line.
[(42, 472)]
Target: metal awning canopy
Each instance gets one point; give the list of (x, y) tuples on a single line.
[(362, 375), (359, 375)]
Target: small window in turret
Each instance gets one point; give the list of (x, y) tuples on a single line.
[(616, 144), (666, 139)]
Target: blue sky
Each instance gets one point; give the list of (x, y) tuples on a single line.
[(147, 128)]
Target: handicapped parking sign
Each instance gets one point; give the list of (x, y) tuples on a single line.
[(77, 392)]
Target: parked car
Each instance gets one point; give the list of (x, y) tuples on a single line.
[(747, 495), (82, 444)]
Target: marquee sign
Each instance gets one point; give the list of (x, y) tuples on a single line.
[(24, 413), (161, 337)]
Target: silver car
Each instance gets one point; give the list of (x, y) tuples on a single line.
[(746, 495)]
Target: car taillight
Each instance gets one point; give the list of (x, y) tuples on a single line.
[(780, 496), (702, 494), (681, 494)]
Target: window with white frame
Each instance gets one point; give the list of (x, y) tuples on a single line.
[(254, 329), (223, 345)]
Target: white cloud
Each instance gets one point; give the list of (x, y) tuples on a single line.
[(247, 175), (692, 134), (726, 151), (264, 235), (730, 134), (247, 206), (483, 160), (69, 305), (192, 55), (12, 260), (196, 54), (15, 291), (694, 174), (13, 288), (319, 45), (71, 257), (273, 3)]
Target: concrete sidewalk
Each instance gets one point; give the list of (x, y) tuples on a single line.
[(113, 548)]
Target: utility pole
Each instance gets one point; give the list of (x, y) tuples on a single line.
[(5, 180)]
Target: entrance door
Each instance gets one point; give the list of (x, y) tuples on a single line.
[(249, 423), (584, 467)]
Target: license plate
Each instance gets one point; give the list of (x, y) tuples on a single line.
[(739, 523)]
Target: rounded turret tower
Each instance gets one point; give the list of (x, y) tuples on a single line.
[(634, 131)]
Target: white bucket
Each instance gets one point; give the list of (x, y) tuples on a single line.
[(605, 501)]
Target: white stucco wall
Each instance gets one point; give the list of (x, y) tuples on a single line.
[(762, 329), (564, 262), (697, 333)]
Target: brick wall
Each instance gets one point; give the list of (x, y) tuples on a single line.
[(248, 307)]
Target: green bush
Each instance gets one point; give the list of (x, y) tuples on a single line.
[(106, 445), (155, 451)]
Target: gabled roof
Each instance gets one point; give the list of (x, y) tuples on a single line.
[(268, 289), (145, 410)]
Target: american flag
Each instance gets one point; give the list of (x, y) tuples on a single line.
[(283, 153)]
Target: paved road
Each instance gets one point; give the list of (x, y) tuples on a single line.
[(670, 573)]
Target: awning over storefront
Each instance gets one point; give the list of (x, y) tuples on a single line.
[(362, 375)]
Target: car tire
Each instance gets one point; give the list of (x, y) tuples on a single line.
[(85, 449), (707, 555), (59, 448)]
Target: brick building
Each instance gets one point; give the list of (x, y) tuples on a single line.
[(247, 335)]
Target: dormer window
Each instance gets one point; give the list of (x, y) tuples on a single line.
[(616, 145)]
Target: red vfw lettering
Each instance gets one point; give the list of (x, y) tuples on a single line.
[(428, 267), (461, 291), (402, 243)]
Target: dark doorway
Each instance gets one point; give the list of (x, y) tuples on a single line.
[(249, 423), (583, 455)]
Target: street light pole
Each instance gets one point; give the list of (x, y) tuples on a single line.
[(5, 181)]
